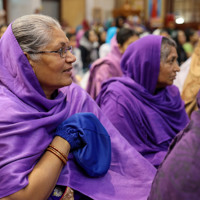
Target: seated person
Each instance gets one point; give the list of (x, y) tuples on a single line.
[(178, 176), (109, 66), (36, 96), (105, 48), (143, 104), (180, 41), (77, 65), (89, 49), (192, 38)]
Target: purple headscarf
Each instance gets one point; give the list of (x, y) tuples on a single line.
[(148, 120), (28, 120), (103, 69), (178, 176)]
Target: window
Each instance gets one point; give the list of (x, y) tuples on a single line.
[(188, 9)]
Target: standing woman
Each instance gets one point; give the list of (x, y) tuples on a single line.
[(143, 104), (36, 96)]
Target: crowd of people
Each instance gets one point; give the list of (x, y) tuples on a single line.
[(104, 111)]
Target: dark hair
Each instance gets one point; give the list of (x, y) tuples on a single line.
[(189, 32), (86, 34), (124, 34), (117, 21), (69, 35), (166, 45)]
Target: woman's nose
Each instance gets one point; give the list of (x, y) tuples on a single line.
[(70, 57), (177, 68)]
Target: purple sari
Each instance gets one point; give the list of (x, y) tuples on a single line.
[(147, 118), (28, 120), (178, 176), (103, 69)]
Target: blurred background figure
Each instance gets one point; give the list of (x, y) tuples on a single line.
[(80, 30), (192, 38), (180, 41), (162, 32), (77, 65), (109, 66), (89, 48), (105, 48)]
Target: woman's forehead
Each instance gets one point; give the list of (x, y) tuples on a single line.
[(58, 37)]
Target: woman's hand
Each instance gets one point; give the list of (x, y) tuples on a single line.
[(45, 174)]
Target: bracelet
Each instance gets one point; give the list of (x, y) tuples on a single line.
[(58, 154), (63, 155)]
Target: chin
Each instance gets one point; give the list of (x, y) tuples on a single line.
[(66, 83), (69, 82)]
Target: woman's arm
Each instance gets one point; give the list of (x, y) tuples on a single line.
[(45, 174)]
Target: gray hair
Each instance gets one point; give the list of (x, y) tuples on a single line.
[(33, 32), (166, 45)]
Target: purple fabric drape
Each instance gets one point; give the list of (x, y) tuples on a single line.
[(103, 69), (27, 123), (148, 120), (178, 176)]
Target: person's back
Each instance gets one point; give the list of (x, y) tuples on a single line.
[(142, 104), (178, 176), (109, 66)]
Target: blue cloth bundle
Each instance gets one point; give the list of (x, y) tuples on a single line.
[(90, 142)]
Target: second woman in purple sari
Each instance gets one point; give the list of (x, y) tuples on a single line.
[(143, 104)]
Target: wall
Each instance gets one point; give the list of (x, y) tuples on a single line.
[(104, 6), (18, 8), (73, 11)]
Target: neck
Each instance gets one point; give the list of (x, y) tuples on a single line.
[(50, 94)]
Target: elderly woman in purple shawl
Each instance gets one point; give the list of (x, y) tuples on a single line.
[(178, 176), (36, 96), (143, 104), (104, 68)]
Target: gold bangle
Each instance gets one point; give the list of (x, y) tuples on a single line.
[(63, 155), (56, 153)]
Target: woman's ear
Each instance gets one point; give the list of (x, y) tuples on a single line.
[(30, 60), (27, 55)]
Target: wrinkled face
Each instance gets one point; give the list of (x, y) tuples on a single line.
[(168, 69), (127, 43), (52, 71)]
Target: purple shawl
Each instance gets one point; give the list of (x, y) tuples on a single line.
[(178, 176), (148, 121), (103, 69), (27, 122)]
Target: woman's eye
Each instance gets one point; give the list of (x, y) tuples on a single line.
[(62, 50)]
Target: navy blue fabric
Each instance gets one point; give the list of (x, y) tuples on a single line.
[(89, 141)]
